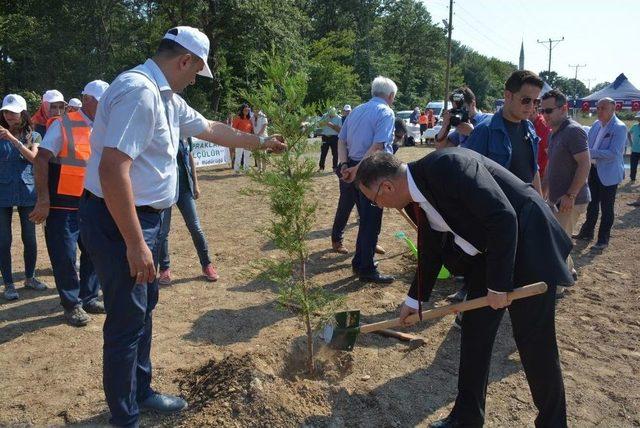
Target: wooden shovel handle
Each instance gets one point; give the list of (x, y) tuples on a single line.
[(406, 217), (480, 302)]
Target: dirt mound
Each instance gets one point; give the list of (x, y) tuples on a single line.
[(243, 390)]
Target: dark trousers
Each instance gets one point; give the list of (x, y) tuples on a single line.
[(330, 142), (187, 206), (62, 236), (602, 197), (634, 164), (127, 328), (28, 231), (533, 324), (368, 229)]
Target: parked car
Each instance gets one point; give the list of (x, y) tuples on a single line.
[(436, 107), (412, 128)]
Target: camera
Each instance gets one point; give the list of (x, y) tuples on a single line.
[(459, 113)]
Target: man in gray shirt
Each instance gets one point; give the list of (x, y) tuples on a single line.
[(565, 180)]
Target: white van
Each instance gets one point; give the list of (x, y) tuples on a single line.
[(436, 107)]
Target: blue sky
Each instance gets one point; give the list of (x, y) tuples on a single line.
[(604, 35)]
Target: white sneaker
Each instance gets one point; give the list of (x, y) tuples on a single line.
[(10, 292), (35, 284)]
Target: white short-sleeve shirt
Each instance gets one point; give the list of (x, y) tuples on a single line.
[(143, 118)]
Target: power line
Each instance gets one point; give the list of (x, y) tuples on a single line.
[(446, 78), (551, 46), (482, 33)]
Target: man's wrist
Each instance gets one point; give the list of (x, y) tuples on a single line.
[(411, 302), (571, 196)]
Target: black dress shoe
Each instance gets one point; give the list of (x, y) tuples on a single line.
[(583, 237), (448, 422), (164, 403), (356, 271), (377, 278)]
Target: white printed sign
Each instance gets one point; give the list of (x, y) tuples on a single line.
[(207, 154)]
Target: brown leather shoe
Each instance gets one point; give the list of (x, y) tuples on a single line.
[(380, 250), (338, 247)]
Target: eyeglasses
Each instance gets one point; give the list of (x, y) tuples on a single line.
[(548, 110), (374, 203), (526, 100)]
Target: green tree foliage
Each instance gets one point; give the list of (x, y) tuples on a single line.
[(599, 86), (287, 186), (341, 45)]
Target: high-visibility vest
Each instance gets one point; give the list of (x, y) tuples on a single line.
[(66, 171), (422, 120)]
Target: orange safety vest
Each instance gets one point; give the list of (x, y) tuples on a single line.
[(66, 171), (422, 120)]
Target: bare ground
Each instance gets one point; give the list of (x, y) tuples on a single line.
[(239, 359)]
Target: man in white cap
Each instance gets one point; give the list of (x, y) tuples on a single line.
[(345, 112), (52, 106), (59, 174), (74, 104), (131, 179)]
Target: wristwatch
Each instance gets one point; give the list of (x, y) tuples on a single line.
[(262, 140)]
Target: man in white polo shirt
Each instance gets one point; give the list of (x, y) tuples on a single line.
[(131, 178)]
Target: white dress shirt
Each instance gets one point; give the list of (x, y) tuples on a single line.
[(436, 221)]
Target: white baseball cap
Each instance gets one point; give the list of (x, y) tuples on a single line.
[(195, 41), (53, 96), (346, 107), (74, 102), (95, 88), (14, 103)]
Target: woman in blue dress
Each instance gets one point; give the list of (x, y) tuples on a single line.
[(18, 147)]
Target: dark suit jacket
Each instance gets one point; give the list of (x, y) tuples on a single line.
[(497, 213)]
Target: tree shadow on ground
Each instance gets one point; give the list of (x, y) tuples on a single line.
[(147, 419), (230, 326), (437, 383), (14, 330), (217, 175), (628, 220)]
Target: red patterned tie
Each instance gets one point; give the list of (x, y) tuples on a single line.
[(421, 219)]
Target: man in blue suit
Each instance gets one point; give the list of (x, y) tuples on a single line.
[(607, 138)]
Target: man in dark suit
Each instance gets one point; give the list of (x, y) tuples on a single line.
[(481, 221)]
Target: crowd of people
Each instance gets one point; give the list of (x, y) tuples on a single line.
[(496, 203)]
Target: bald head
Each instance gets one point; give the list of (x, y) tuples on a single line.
[(605, 109)]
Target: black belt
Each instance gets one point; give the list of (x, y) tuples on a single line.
[(141, 209)]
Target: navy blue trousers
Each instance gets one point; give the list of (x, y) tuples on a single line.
[(127, 328), (368, 230), (62, 235)]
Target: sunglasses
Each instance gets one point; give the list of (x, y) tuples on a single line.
[(548, 110), (526, 100)]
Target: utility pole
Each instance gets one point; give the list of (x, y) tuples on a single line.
[(575, 79), (446, 77), (551, 46), (589, 83)]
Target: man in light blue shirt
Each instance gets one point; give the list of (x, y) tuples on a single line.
[(368, 129), (131, 178), (331, 125)]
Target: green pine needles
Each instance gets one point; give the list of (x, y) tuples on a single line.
[(287, 184)]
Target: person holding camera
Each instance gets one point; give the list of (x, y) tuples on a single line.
[(464, 116)]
